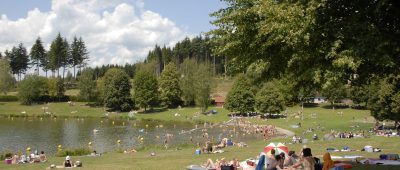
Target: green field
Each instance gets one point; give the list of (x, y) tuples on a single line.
[(179, 159)]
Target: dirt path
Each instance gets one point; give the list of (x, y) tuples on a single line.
[(286, 132)]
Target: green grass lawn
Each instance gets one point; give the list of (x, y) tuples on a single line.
[(179, 159), (79, 109), (57, 109)]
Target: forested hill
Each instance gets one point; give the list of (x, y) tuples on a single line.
[(198, 48)]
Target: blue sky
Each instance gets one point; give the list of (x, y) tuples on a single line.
[(192, 15)]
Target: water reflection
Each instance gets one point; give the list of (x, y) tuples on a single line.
[(16, 134)]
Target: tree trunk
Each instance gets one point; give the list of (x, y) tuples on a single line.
[(63, 73), (225, 66), (74, 72), (215, 66)]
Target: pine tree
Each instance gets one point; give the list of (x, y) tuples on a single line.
[(65, 56), (55, 54), (37, 54), (79, 54), (18, 60)]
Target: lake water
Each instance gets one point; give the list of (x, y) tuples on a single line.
[(16, 134)]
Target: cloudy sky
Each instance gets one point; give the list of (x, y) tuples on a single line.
[(115, 31)]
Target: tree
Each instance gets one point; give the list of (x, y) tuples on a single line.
[(45, 63), (384, 102), (37, 54), (240, 98), (87, 84), (270, 99), (55, 88), (311, 40), (145, 89), (359, 94), (187, 71), (65, 56), (79, 53), (170, 93), (58, 54), (334, 91), (6, 78), (100, 88), (117, 90), (202, 86), (18, 60), (31, 89)]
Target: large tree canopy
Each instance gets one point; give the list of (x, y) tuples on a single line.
[(117, 90), (384, 103), (317, 41), (240, 98), (170, 93), (270, 99), (145, 89)]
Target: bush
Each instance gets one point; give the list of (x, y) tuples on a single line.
[(31, 88), (74, 152), (77, 99), (8, 98), (5, 155), (47, 98)]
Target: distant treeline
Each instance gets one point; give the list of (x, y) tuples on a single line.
[(198, 48)]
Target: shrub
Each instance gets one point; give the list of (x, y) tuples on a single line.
[(31, 88), (74, 152), (5, 155), (8, 98)]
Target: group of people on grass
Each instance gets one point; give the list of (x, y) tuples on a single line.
[(68, 163), (29, 158), (273, 161)]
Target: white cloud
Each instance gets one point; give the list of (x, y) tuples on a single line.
[(115, 32)]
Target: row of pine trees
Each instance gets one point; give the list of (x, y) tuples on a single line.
[(61, 55)]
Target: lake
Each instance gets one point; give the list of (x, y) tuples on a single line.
[(16, 134)]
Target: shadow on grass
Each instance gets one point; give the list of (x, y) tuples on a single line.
[(337, 106), (2, 103), (154, 110), (310, 105)]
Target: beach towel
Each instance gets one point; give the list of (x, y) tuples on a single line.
[(260, 164)]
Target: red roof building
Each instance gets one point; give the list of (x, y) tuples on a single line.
[(219, 101)]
